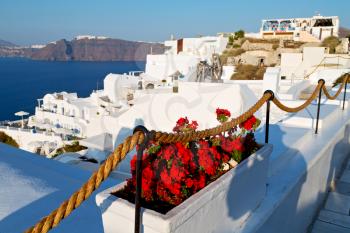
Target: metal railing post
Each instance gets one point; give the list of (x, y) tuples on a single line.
[(319, 104), (142, 147), (267, 122), (346, 82)]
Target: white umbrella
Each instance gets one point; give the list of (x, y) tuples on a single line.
[(21, 114)]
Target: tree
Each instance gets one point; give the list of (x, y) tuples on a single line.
[(331, 42), (239, 34), (230, 40)]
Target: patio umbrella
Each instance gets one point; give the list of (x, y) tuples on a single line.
[(21, 114)]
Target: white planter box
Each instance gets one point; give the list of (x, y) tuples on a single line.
[(221, 206)]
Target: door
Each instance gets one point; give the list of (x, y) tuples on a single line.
[(180, 44)]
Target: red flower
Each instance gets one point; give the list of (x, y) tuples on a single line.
[(221, 111), (222, 115), (183, 125), (183, 154), (249, 123), (206, 162), (237, 144), (177, 172), (189, 182), (133, 163), (193, 125), (175, 189), (182, 121), (172, 172), (165, 178), (168, 152), (200, 182), (147, 181), (227, 145)]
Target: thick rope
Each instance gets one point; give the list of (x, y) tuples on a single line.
[(75, 200), (304, 105), (345, 79), (53, 219), (186, 137)]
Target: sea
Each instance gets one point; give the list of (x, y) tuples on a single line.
[(23, 81)]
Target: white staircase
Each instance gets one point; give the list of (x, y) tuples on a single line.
[(335, 215), (307, 37)]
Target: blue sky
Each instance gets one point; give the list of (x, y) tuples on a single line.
[(27, 22)]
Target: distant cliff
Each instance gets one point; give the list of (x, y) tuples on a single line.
[(4, 43), (88, 49)]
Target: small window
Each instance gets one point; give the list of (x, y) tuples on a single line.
[(283, 77)]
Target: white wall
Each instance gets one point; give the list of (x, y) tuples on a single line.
[(312, 56), (25, 136), (299, 65), (114, 83), (290, 62), (160, 67), (227, 72)]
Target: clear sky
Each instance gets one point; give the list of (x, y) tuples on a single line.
[(27, 22)]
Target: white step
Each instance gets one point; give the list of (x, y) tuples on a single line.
[(283, 89), (284, 96), (334, 218), (346, 176), (323, 227), (338, 203), (307, 118)]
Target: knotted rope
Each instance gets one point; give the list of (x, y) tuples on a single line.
[(85, 191)]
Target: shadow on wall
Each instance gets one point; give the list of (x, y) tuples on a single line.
[(239, 205), (304, 188), (124, 132)]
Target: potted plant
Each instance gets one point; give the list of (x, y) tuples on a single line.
[(210, 185)]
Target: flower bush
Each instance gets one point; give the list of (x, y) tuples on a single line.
[(173, 172)]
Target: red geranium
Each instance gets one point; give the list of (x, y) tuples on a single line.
[(222, 115), (249, 123), (184, 125), (173, 172), (182, 121)]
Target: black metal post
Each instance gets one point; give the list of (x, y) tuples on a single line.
[(346, 82), (267, 122), (140, 150), (319, 105)]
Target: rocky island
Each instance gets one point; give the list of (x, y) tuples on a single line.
[(85, 48)]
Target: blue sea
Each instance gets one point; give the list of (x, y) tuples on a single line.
[(23, 81)]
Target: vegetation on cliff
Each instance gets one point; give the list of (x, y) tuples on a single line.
[(4, 138)]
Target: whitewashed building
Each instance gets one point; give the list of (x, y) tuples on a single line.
[(183, 55), (312, 29)]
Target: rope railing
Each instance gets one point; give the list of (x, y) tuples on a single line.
[(304, 105), (95, 180), (322, 64), (337, 93)]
